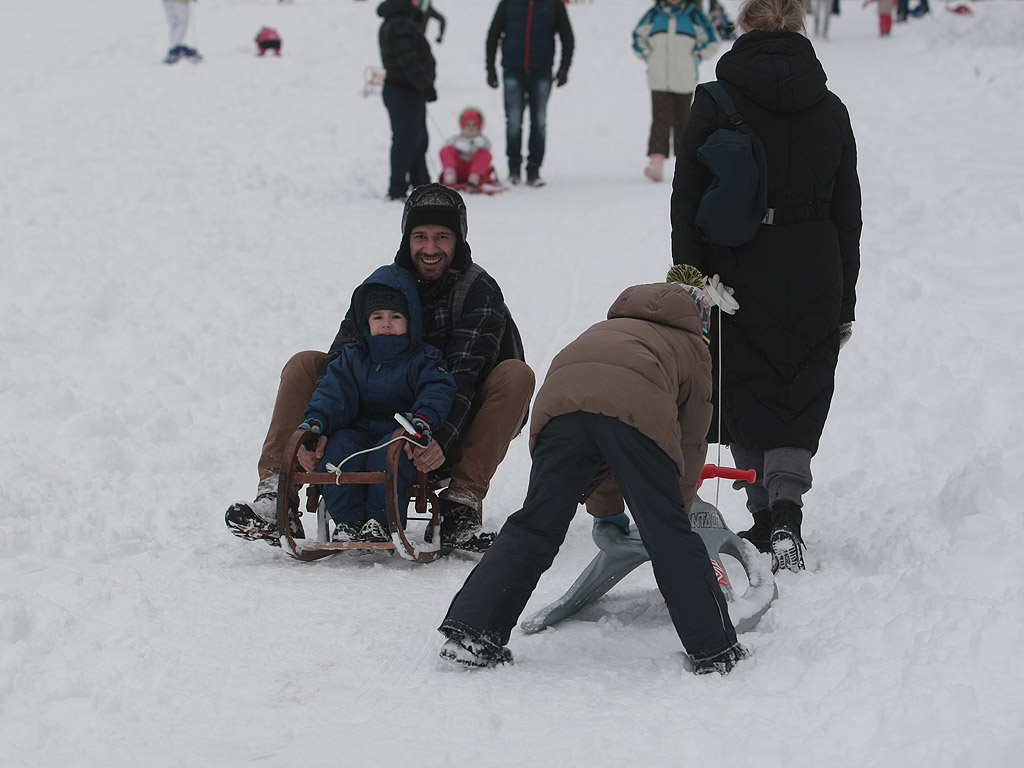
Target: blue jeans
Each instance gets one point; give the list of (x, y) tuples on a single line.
[(524, 88)]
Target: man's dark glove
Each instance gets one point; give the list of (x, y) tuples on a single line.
[(315, 428), (562, 77), (492, 77), (430, 94), (845, 332)]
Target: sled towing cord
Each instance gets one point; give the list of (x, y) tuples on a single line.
[(336, 468)]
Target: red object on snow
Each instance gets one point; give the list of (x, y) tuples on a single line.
[(267, 39)]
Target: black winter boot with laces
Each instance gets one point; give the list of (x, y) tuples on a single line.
[(786, 542)]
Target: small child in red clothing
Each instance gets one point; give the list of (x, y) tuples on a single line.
[(466, 156)]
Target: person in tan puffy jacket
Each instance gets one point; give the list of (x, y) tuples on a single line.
[(624, 406)]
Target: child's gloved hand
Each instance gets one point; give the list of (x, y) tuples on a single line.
[(620, 520), (479, 142), (464, 146), (720, 294), (422, 427), (315, 428)]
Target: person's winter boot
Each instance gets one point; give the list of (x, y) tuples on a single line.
[(173, 55), (533, 176), (884, 24), (786, 542), (347, 532), (760, 533), (373, 531), (474, 180), (655, 170), (258, 520), (722, 663), (449, 177), (191, 54), (460, 528), (515, 174), (461, 649)]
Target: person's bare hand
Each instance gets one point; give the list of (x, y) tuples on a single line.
[(310, 460), (425, 459)]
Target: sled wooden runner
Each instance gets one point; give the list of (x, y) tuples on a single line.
[(423, 494)]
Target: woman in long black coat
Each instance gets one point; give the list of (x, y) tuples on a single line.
[(795, 281)]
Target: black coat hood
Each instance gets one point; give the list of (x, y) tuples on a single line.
[(777, 70)]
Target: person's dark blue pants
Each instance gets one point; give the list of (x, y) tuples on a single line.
[(567, 455), (355, 502), (407, 111), (524, 88)]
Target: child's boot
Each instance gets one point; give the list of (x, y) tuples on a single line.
[(655, 170), (448, 177), (884, 24)]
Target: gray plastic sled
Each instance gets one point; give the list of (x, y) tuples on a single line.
[(620, 554)]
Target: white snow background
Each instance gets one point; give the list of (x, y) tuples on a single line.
[(171, 235)]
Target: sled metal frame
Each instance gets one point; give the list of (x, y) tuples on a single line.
[(620, 554), (423, 494)]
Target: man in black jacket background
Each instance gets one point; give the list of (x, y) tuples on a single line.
[(408, 85)]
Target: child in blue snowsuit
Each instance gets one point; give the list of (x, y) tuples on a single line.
[(389, 369)]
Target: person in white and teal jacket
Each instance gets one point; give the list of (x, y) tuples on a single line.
[(672, 37)]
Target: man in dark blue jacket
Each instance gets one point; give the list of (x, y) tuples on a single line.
[(526, 30)]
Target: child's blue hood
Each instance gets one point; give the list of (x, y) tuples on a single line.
[(396, 277)]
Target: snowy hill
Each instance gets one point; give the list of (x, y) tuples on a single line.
[(170, 235)]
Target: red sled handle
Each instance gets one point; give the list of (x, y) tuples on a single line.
[(727, 473)]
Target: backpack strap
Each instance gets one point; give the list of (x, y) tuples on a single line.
[(721, 96), (511, 341), (461, 290)]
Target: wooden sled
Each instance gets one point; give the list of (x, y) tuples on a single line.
[(423, 494)]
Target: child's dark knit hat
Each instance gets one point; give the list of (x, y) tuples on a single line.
[(377, 296)]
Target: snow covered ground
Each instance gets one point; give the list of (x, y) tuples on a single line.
[(170, 235)]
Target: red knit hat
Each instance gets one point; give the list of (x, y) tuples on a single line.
[(471, 113)]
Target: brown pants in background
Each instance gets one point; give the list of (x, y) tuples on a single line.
[(670, 112)]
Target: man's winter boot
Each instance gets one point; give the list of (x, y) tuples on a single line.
[(515, 174), (533, 176), (460, 528), (722, 663), (786, 542), (655, 170), (760, 533), (257, 520)]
